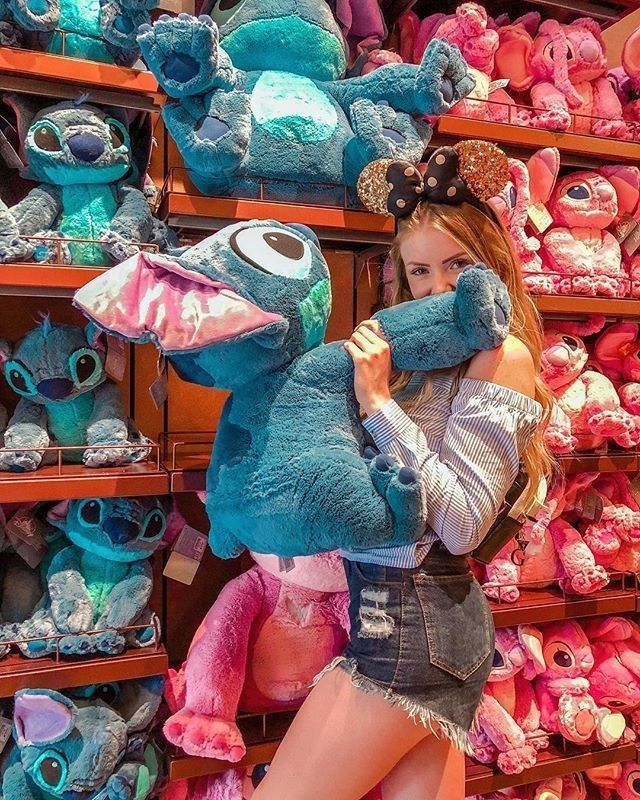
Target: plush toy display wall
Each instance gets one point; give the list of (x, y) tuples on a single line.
[(86, 165), (259, 93), (263, 340)]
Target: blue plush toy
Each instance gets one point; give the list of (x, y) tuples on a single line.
[(103, 580), (83, 158), (246, 309), (94, 747), (66, 400), (260, 93), (99, 30)]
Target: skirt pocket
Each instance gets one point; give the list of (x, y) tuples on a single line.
[(458, 622)]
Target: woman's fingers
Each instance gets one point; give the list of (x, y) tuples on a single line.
[(372, 325), (353, 350)]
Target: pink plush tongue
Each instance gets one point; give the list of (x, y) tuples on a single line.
[(184, 310)]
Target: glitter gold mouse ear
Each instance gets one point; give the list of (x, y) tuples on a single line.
[(390, 187), (484, 168)]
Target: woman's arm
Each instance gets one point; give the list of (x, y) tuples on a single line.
[(492, 419)]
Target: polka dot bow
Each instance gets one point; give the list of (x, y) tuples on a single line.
[(468, 172)]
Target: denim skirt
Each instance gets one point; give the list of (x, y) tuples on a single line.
[(423, 638)]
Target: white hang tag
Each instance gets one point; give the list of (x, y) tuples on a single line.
[(27, 535), (624, 226), (186, 555), (632, 242), (116, 362), (540, 217), (5, 732), (501, 83), (159, 389)]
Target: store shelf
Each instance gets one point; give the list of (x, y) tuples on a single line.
[(600, 462), (18, 672), (536, 606), (62, 77), (570, 305), (581, 149), (44, 280), (551, 763)]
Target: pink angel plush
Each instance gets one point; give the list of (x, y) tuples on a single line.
[(588, 398), (564, 661), (555, 552), (563, 67), (620, 781), (508, 725), (565, 787), (617, 352), (258, 649)]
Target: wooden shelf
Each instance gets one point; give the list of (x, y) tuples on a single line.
[(44, 280), (569, 305), (595, 462), (551, 763), (60, 76), (71, 482), (582, 149), (18, 672), (537, 606), (200, 213)]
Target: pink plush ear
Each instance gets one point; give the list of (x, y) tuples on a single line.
[(58, 514), (41, 717), (531, 639), (626, 181), (175, 523), (593, 324), (529, 21), (606, 775), (6, 351), (631, 54), (426, 32), (611, 345), (556, 33), (512, 57), (408, 24), (543, 169), (608, 629)]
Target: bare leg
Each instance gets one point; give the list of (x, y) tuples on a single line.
[(433, 769), (342, 742)]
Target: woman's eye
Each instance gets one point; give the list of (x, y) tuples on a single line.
[(419, 271), (459, 264)]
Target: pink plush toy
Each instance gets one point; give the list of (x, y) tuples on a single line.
[(566, 787), (258, 649), (555, 552), (564, 68), (617, 351), (508, 725), (588, 398), (626, 82), (619, 781), (563, 659)]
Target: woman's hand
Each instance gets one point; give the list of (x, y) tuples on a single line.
[(371, 356)]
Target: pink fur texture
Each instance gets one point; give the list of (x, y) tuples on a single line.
[(258, 649), (620, 781)]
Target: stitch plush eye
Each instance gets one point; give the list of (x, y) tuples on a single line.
[(223, 10), (20, 379), (633, 782), (107, 692), (154, 525), (498, 660), (557, 654), (578, 192), (85, 366), (50, 771), (273, 250), (46, 138), (573, 343), (90, 513), (117, 133), (258, 774), (513, 196), (611, 702)]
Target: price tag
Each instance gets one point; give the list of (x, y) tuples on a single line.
[(27, 535), (116, 361), (632, 242), (5, 732), (186, 555), (499, 84), (591, 506), (540, 217), (286, 564), (624, 226), (159, 389)]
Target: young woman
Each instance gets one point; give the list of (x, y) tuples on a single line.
[(402, 699)]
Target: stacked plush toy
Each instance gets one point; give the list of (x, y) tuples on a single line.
[(260, 105), (90, 742), (87, 208)]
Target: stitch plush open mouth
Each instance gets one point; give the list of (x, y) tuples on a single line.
[(150, 296)]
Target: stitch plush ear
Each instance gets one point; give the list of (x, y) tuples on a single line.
[(6, 351), (42, 717), (24, 110), (96, 337), (531, 639), (606, 776), (611, 346), (588, 327), (57, 516), (631, 54), (543, 167), (175, 520), (513, 55), (626, 181)]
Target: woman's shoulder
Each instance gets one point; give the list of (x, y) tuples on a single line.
[(510, 364)]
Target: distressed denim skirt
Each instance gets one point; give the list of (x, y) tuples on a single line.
[(423, 638)]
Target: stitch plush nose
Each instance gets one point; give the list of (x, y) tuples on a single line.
[(120, 530), (86, 146), (55, 388), (558, 356), (589, 51)]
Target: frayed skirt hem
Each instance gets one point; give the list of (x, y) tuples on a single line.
[(438, 725)]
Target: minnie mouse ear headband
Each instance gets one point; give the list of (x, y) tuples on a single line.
[(469, 172)]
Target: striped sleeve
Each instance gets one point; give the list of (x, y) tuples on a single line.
[(465, 485)]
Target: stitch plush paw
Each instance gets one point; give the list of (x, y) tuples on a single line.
[(588, 580), (401, 488), (515, 761), (117, 246), (442, 79), (203, 736), (386, 133), (481, 288), (53, 248), (113, 456), (555, 119), (20, 460), (120, 787), (14, 249)]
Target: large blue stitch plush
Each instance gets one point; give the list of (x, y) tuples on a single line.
[(259, 92), (103, 580), (99, 30), (95, 746), (66, 400), (287, 476), (85, 161)]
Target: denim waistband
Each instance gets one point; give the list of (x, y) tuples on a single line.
[(438, 561)]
